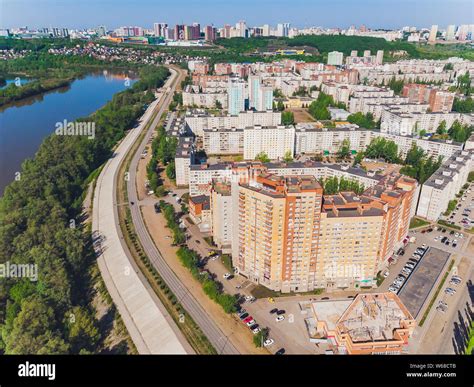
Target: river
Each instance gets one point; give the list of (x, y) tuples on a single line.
[(25, 124)]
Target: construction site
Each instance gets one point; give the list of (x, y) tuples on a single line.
[(372, 323)]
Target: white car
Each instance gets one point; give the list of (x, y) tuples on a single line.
[(250, 323), (249, 298), (280, 318), (268, 342), (392, 289), (255, 331), (226, 275)]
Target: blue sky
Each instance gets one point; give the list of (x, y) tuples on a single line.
[(326, 13)]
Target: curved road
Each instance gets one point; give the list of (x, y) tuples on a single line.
[(220, 342), (148, 323)]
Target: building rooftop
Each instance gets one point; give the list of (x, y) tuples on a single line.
[(446, 173), (373, 317)]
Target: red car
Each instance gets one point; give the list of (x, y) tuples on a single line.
[(249, 318)]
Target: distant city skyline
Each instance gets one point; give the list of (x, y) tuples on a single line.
[(300, 13)]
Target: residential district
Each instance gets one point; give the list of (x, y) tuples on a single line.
[(301, 215), (333, 200)]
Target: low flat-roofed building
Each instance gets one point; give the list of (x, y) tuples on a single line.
[(200, 212)]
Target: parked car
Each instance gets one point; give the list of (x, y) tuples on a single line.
[(280, 312), (243, 316), (274, 310), (268, 342), (249, 299), (441, 308), (250, 323), (393, 289), (255, 331), (247, 319), (450, 291), (280, 318), (281, 351)]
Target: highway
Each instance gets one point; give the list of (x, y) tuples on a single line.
[(220, 342), (149, 325)]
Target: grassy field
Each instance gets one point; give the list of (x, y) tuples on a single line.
[(417, 222)]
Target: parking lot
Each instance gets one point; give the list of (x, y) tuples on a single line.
[(418, 286), (461, 216)]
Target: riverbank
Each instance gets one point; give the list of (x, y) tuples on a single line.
[(41, 222)]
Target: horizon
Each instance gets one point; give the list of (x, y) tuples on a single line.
[(374, 14)]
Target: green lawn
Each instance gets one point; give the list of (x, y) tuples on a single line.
[(417, 222)]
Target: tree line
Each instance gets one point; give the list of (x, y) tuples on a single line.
[(40, 224)]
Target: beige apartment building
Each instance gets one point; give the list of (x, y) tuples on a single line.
[(221, 209), (278, 231), (349, 242), (291, 237)]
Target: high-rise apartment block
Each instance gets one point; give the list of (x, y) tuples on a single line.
[(335, 58), (279, 231), (433, 34), (292, 237), (236, 96), (450, 32)]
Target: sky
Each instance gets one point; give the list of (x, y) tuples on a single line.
[(300, 13)]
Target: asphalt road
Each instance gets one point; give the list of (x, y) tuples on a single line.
[(220, 342)]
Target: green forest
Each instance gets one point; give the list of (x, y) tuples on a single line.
[(40, 224), (46, 71)]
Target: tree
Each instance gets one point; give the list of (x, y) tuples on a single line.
[(441, 128), (381, 148), (81, 329), (218, 104), (364, 121), (463, 105), (260, 338), (287, 118), (288, 157), (319, 108), (345, 149), (34, 331), (170, 171), (280, 106), (277, 93), (459, 132), (262, 157), (396, 86)]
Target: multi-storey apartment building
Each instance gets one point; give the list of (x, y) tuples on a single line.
[(444, 184), (221, 210), (184, 158), (395, 121), (292, 238), (274, 141), (236, 94), (208, 99), (312, 140), (349, 241), (223, 141), (278, 231), (197, 122)]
